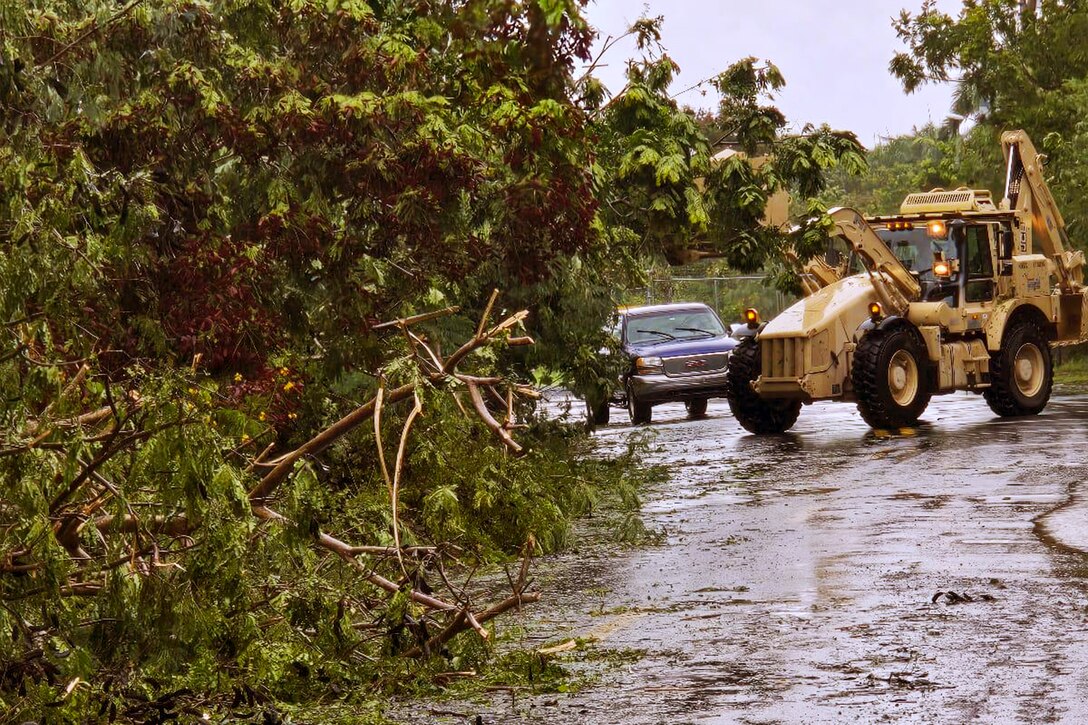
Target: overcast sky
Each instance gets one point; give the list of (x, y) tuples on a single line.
[(834, 55)]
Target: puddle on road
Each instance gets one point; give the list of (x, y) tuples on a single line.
[(1067, 525)]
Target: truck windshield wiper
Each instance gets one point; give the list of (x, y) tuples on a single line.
[(708, 333), (665, 335)]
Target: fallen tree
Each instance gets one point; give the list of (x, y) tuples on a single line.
[(113, 535)]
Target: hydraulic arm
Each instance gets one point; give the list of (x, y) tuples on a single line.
[(893, 284), (1026, 191)]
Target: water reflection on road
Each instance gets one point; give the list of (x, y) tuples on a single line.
[(798, 577)]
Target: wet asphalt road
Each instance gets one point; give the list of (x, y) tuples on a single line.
[(797, 576)]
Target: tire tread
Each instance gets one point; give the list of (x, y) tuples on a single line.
[(755, 415), (867, 374), (1000, 396)]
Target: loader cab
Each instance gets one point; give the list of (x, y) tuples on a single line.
[(918, 249), (953, 260)]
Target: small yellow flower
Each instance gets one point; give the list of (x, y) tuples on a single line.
[(192, 391), (245, 438), (288, 385), (237, 377), (261, 416), (292, 416), (284, 371)]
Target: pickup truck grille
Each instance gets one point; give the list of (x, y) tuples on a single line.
[(783, 357), (682, 366)]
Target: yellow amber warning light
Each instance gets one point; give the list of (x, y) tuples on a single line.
[(875, 311), (941, 268), (937, 229), (751, 316)]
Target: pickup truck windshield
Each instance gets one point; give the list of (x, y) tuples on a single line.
[(673, 325)]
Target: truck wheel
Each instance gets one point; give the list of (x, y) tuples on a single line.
[(599, 414), (890, 377), (755, 414), (696, 407), (640, 412), (1021, 372)]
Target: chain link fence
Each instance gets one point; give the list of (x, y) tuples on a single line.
[(728, 296)]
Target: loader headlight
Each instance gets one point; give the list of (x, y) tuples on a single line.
[(876, 312), (941, 268), (937, 229), (751, 316), (649, 364)]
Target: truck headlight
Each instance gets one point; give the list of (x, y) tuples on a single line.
[(649, 364)]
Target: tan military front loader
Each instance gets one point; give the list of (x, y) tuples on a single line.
[(953, 293)]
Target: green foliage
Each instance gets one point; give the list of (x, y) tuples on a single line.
[(204, 209), (1071, 367), (208, 156), (669, 193), (927, 159)]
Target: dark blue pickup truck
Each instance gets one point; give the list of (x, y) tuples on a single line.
[(677, 352)]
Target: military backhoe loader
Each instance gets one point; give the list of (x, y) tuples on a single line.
[(953, 293)]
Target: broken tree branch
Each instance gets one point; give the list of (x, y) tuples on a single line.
[(415, 319), (398, 467), (489, 420)]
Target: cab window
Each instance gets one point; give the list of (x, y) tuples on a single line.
[(980, 265)]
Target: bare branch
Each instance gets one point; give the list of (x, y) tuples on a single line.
[(398, 468), (489, 420), (487, 314), (415, 319), (378, 434), (323, 440)]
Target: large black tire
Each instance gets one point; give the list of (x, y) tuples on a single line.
[(641, 413), (892, 377), (755, 414), (598, 414), (696, 407), (1021, 372)]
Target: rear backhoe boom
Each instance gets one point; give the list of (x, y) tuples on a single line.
[(1027, 193)]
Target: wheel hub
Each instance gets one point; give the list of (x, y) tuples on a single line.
[(903, 378), (1029, 370)]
